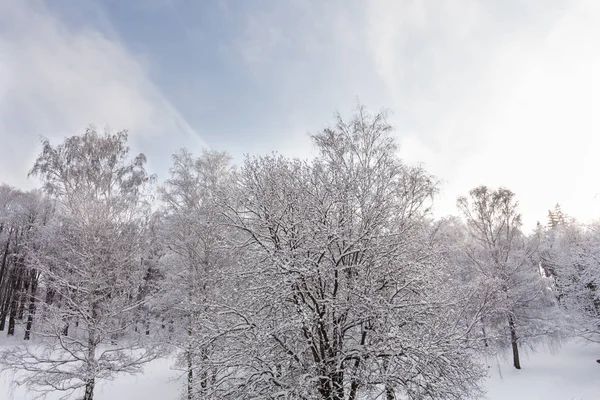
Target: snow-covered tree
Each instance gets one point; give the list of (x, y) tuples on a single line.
[(196, 260), (343, 294), (556, 217), (504, 260), (91, 271), (22, 218), (471, 289), (16, 228), (571, 258)]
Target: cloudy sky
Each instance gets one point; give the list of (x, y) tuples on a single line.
[(481, 92)]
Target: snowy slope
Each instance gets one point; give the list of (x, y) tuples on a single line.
[(570, 374)]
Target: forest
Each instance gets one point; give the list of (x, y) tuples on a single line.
[(326, 278)]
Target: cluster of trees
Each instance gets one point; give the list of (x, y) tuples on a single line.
[(279, 278)]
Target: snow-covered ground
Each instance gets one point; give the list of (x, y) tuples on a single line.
[(571, 373), (159, 382)]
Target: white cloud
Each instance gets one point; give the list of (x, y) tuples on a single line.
[(55, 80), (497, 96), (481, 92), (260, 39), (495, 93)]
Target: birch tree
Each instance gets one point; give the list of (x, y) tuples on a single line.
[(92, 272), (196, 259), (523, 308)]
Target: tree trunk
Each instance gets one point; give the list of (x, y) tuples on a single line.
[(3, 314), (4, 307), (190, 375), (513, 341), (13, 313), (324, 388), (89, 389), (389, 393), (31, 311), (483, 332), (331, 386), (353, 390), (49, 296), (91, 362), (389, 390), (23, 299), (11, 321), (189, 359), (204, 372), (338, 386), (17, 284), (4, 259)]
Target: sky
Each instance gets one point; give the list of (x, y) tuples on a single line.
[(501, 93)]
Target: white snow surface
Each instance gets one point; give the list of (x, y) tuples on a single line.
[(570, 373)]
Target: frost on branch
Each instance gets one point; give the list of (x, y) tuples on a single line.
[(343, 295), (504, 263), (91, 272)]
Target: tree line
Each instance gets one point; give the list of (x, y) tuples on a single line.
[(325, 278)]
